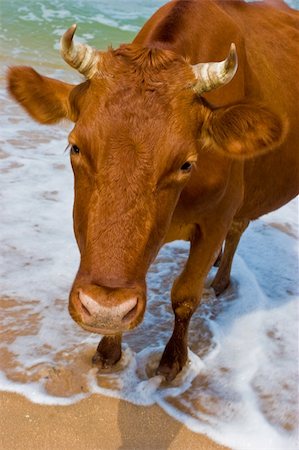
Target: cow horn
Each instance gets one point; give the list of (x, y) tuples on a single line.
[(215, 74), (80, 56)]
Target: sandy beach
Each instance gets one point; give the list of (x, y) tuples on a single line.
[(95, 423)]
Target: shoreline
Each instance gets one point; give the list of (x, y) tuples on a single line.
[(95, 423)]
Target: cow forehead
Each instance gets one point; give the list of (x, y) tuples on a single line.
[(144, 133), (140, 106), (147, 140), (134, 81), (134, 116)]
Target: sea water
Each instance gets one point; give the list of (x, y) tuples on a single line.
[(240, 385)]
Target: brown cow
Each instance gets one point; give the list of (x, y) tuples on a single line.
[(159, 153)]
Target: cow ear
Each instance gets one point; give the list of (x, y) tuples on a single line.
[(243, 130), (45, 99)]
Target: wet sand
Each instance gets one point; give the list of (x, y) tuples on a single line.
[(95, 423)]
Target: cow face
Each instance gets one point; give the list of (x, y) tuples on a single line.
[(138, 124), (130, 162)]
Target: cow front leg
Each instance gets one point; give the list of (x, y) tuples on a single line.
[(222, 278), (108, 352), (185, 297)]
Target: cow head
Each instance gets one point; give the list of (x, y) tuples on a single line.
[(140, 124)]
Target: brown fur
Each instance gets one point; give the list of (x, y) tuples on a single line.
[(138, 121)]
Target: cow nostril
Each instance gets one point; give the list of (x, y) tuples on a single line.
[(87, 304), (130, 315), (84, 309)]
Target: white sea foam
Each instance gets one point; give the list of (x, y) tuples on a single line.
[(104, 20), (36, 393)]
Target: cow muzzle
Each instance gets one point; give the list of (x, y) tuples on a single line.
[(107, 311)]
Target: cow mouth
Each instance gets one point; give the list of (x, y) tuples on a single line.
[(97, 330), (128, 323)]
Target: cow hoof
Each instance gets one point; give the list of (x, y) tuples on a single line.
[(169, 372), (172, 362), (220, 286), (108, 352), (102, 362)]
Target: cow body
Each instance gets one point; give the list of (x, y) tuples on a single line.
[(158, 157), (259, 30)]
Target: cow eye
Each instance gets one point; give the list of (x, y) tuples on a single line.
[(186, 167), (75, 150)]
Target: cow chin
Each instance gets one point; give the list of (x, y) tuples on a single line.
[(107, 311)]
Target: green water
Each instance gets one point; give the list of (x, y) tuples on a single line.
[(30, 29)]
